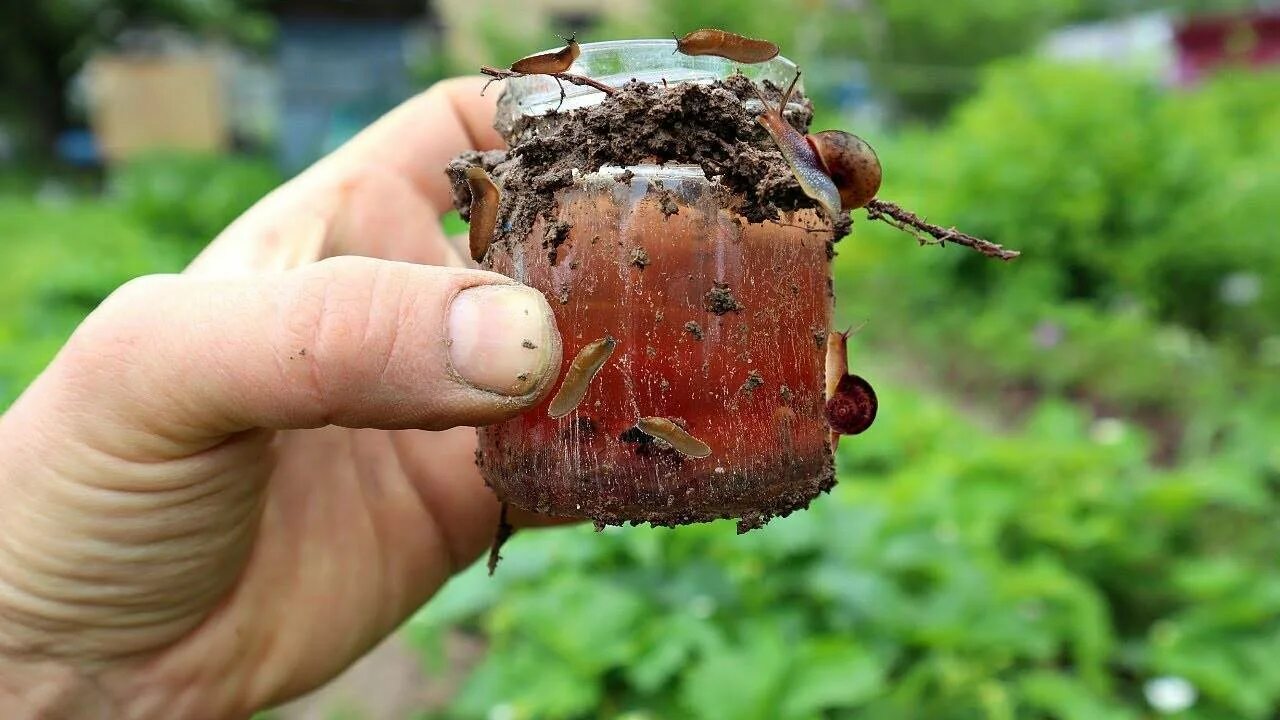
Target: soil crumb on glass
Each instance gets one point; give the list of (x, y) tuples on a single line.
[(720, 300), (640, 257), (556, 234), (754, 380), (694, 329), (667, 203), (820, 338)]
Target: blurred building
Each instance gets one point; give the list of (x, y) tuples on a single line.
[(1249, 39), (1180, 50), (342, 64), (156, 89), (1139, 43)]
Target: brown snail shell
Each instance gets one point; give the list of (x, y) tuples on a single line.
[(852, 408), (851, 163)]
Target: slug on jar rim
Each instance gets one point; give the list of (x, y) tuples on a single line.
[(550, 63), (731, 46)]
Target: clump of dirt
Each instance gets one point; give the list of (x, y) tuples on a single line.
[(667, 203), (706, 125), (694, 329), (720, 300), (556, 233), (754, 380), (640, 257)]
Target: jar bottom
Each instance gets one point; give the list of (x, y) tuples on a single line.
[(664, 494)]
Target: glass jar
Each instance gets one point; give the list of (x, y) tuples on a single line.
[(720, 326)]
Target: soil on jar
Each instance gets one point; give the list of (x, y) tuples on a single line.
[(645, 123)]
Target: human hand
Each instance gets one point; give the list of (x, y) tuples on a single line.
[(223, 490)]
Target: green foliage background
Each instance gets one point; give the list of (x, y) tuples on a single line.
[(1073, 486)]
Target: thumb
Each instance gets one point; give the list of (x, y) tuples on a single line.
[(348, 341)]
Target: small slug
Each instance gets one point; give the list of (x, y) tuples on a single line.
[(484, 211), (582, 370), (726, 45), (664, 429), (550, 63), (851, 401), (799, 153)]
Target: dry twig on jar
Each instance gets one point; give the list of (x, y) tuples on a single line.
[(501, 74), (929, 234)]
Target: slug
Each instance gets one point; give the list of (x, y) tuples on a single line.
[(673, 434), (726, 45), (550, 63), (484, 211), (582, 370)]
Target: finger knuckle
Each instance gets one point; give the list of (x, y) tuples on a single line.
[(345, 320)]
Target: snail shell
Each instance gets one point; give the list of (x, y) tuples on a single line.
[(851, 163), (853, 407)]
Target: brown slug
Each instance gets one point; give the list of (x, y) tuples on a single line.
[(550, 63), (582, 370), (673, 434), (726, 45), (484, 211)]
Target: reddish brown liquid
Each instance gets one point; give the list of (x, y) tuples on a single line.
[(768, 439)]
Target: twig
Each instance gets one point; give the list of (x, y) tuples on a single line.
[(909, 222), (501, 74), (504, 533)]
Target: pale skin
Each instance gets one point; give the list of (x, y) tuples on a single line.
[(232, 483)]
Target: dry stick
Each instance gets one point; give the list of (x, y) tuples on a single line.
[(500, 538), (909, 222), (500, 74)]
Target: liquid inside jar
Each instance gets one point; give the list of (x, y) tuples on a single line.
[(720, 326)]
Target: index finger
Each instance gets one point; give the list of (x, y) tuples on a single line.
[(419, 138)]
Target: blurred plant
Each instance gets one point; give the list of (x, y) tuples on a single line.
[(1151, 254), (191, 197), (1048, 573), (61, 260), (63, 257)]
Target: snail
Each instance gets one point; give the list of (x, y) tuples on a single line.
[(550, 63), (851, 401), (837, 169), (726, 45)]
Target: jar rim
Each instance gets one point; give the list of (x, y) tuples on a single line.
[(616, 62)]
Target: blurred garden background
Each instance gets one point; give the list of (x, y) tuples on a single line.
[(1069, 506)]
